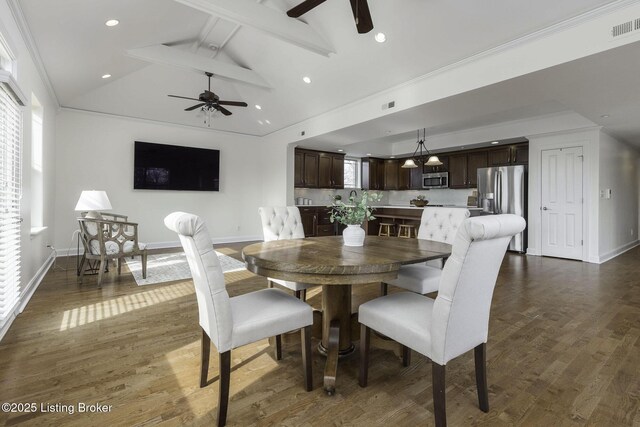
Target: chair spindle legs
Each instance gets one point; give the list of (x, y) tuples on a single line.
[(204, 363), (225, 376)]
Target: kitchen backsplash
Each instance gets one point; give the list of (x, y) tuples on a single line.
[(435, 196)]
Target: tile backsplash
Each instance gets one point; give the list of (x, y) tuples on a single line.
[(435, 196)]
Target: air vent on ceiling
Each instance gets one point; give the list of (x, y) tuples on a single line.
[(389, 105), (623, 28)]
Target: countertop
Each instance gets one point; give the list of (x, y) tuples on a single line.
[(471, 208)]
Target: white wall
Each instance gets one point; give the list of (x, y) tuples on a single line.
[(95, 151), (618, 216), (35, 254)]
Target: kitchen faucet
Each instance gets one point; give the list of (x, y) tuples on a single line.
[(353, 193)]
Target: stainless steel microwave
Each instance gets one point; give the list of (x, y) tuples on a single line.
[(435, 180)]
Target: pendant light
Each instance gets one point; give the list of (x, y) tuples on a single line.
[(413, 161)]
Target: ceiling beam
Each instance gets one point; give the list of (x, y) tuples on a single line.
[(165, 55), (266, 19)]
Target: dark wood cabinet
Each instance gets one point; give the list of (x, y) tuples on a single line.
[(315, 169), (404, 176), (372, 174), (391, 168), (309, 218), (517, 154), (463, 168)]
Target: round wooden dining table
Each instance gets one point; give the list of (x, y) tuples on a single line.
[(326, 261)]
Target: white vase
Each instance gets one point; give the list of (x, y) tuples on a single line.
[(353, 235)]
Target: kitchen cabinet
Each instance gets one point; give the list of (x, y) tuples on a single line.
[(315, 169), (517, 154), (391, 169), (404, 176), (331, 170), (463, 168), (372, 173), (309, 217), (316, 221)]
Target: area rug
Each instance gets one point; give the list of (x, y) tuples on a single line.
[(173, 266)]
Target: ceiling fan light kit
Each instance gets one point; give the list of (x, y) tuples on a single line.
[(360, 8), (427, 159)]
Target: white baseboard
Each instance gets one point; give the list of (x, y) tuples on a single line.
[(533, 251), (618, 251), (175, 244), (27, 294)]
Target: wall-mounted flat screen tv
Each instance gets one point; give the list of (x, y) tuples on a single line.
[(172, 167)]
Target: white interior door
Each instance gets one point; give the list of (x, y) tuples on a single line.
[(562, 202)]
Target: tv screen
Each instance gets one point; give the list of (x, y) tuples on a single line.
[(171, 167)]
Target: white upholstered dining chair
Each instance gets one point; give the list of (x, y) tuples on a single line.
[(439, 224), (458, 319), (233, 322), (282, 223)]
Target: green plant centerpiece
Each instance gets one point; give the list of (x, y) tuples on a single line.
[(353, 214)]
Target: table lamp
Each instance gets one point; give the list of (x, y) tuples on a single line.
[(93, 201)]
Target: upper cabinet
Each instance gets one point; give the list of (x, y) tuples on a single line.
[(391, 171), (315, 169), (517, 154), (463, 168), (372, 174)]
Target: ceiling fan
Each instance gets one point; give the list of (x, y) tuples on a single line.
[(210, 101), (360, 12)]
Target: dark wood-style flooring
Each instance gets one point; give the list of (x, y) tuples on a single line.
[(563, 350)]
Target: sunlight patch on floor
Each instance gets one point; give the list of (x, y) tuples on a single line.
[(105, 309)]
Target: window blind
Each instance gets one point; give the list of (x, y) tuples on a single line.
[(10, 192)]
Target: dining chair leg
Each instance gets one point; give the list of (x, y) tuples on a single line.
[(225, 376), (365, 339), (384, 289), (119, 266), (305, 337), (278, 347), (480, 353), (204, 362), (303, 295), (439, 403), (101, 270), (269, 284), (83, 265), (406, 356), (297, 294)]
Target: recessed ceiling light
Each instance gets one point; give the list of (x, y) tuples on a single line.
[(306, 79), (112, 23), (392, 157), (106, 76), (495, 142), (380, 38), (258, 107), (368, 154), (604, 116), (261, 122), (267, 122), (340, 150)]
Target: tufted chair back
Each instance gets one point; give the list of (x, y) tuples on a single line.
[(214, 306), (460, 317), (281, 223), (441, 224)]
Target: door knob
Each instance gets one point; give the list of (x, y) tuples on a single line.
[(544, 208)]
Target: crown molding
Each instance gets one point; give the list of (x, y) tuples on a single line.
[(23, 27)]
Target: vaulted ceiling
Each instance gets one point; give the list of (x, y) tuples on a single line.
[(259, 55)]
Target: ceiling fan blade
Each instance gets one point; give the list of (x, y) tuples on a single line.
[(303, 8), (233, 103), (223, 110), (183, 97), (362, 16), (194, 107)]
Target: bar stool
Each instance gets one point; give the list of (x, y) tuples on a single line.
[(386, 229), (407, 231)]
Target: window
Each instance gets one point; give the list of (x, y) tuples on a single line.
[(37, 179), (351, 173), (10, 188)]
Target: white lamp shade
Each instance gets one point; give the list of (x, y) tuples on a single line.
[(409, 163), (433, 161), (93, 201)]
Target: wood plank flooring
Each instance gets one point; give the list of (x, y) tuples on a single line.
[(563, 350)]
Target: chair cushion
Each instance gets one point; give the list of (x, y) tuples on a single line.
[(404, 317), (441, 224), (266, 313), (294, 286), (419, 278), (113, 248)]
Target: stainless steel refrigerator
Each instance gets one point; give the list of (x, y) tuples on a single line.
[(503, 189)]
